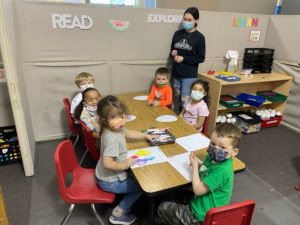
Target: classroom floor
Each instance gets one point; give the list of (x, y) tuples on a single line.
[(273, 169)]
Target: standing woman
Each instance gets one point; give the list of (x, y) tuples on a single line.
[(187, 51)]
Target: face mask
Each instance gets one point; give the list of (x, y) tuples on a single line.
[(92, 109), (187, 25), (217, 154), (117, 123), (161, 85), (197, 95), (85, 86)]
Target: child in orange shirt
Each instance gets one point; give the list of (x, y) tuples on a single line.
[(161, 92)]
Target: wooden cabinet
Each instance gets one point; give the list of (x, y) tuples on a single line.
[(279, 83), (3, 215)]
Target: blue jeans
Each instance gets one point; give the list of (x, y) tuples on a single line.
[(182, 88), (128, 187)]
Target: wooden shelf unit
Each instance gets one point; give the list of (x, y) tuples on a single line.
[(277, 82)]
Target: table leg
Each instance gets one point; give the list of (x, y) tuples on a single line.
[(151, 210)]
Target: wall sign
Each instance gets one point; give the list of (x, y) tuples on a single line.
[(254, 35), (119, 25), (164, 18), (245, 22), (68, 21)]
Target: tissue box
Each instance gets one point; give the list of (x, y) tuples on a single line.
[(247, 123)]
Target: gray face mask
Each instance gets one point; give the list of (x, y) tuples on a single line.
[(217, 154)]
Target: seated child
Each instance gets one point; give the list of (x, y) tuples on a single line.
[(195, 109), (111, 170), (83, 81), (86, 111), (212, 182), (161, 92)]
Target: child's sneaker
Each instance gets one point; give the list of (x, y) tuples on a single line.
[(125, 219)]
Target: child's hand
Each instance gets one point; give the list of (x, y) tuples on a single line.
[(195, 162), (151, 136), (156, 103), (128, 163), (150, 102)]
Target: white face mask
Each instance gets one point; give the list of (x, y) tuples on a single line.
[(92, 109), (85, 86), (197, 95)]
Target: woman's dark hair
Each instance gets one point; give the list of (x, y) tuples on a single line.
[(205, 87), (105, 106), (79, 108), (194, 12)]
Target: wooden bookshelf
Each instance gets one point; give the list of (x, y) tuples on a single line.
[(277, 82)]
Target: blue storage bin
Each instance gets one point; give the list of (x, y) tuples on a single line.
[(253, 100)]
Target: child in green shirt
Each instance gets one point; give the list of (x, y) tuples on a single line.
[(212, 182)]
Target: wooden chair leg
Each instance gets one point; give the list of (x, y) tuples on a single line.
[(96, 214), (70, 210)]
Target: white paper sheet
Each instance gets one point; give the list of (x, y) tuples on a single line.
[(141, 98), (182, 164), (193, 142), (166, 118), (131, 118), (147, 156)]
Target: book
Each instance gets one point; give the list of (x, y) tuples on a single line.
[(163, 136)]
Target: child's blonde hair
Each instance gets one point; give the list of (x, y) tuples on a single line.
[(230, 131), (83, 76)]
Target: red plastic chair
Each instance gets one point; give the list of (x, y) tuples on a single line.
[(89, 142), (70, 120), (83, 188), (234, 214), (205, 127)]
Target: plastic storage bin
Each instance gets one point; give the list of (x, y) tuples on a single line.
[(9, 146), (246, 122), (249, 99), (230, 101), (260, 60), (272, 122), (272, 96)]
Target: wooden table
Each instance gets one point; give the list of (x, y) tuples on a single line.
[(157, 178)]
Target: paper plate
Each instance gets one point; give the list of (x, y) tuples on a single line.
[(141, 98), (166, 118), (131, 118)]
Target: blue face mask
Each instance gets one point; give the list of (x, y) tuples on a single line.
[(187, 25), (217, 154)]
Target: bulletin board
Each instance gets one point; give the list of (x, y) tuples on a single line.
[(48, 84), (283, 35)]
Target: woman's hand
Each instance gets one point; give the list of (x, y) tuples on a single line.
[(178, 59), (174, 53)]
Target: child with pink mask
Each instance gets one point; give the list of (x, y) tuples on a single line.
[(111, 170)]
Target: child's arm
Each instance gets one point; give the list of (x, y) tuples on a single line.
[(182, 112), (96, 134), (110, 163), (132, 134), (199, 187), (151, 95), (200, 122)]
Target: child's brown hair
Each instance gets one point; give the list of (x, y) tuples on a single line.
[(230, 131), (162, 71), (83, 76)]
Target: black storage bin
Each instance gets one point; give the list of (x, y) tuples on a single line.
[(9, 146), (260, 60)]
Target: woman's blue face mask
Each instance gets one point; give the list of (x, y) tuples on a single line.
[(217, 154), (187, 25)]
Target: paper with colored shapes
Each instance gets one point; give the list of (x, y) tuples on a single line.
[(147, 156), (182, 164), (141, 98), (193, 142)]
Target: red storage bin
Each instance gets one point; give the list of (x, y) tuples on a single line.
[(272, 122)]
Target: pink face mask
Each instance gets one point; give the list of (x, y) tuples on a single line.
[(118, 122)]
